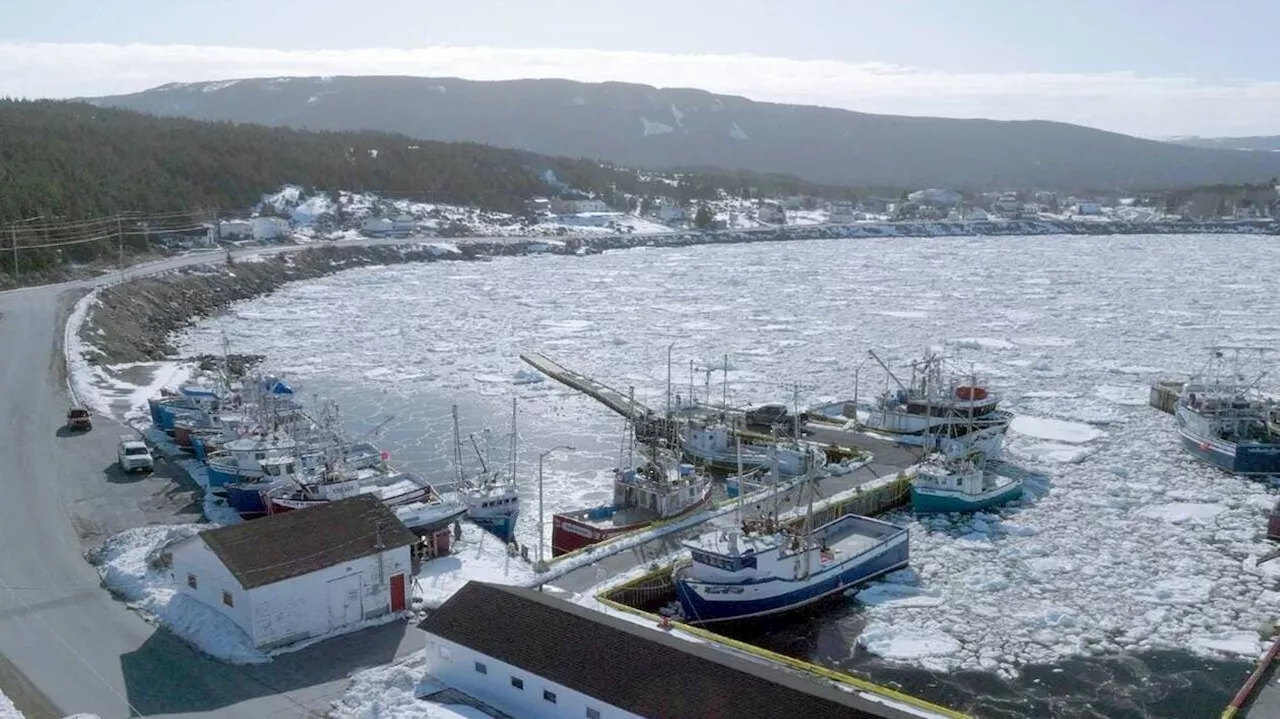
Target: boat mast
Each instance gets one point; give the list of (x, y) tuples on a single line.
[(511, 477), (724, 394), (457, 449), (669, 348)]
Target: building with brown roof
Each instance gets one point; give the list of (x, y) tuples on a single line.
[(536, 656), (302, 574)]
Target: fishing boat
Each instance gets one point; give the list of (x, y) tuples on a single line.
[(960, 483), (491, 498), (765, 569), (1224, 421), (250, 495), (392, 487), (657, 487), (932, 404), (710, 445), (241, 460), (1273, 523)]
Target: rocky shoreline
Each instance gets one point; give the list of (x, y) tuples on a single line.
[(134, 321)]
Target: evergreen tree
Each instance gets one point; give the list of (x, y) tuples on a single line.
[(703, 218)]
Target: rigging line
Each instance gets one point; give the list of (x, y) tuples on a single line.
[(31, 612)]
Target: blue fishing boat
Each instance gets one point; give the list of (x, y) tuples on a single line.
[(764, 570), (1223, 421), (960, 484), (767, 568)]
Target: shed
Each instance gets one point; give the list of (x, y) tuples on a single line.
[(535, 655), (377, 226), (302, 574)]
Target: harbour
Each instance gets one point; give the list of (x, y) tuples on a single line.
[(537, 397)]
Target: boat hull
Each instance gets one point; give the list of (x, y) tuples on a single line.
[(502, 526), (926, 502), (569, 533), (1252, 459), (704, 603)]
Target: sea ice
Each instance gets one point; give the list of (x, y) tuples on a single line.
[(906, 643), (1055, 430), (1084, 510)]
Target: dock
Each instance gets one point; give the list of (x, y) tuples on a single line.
[(1260, 695), (615, 400)]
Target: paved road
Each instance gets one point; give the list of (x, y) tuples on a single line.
[(65, 645)]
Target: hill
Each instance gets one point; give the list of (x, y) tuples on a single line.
[(73, 160), (642, 126), (1260, 143)]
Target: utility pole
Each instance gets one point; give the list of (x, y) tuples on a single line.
[(120, 244), (13, 232)]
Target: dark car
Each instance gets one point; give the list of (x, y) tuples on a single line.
[(78, 418)]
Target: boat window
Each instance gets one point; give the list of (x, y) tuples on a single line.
[(191, 581), (481, 668), (517, 682), (549, 695)]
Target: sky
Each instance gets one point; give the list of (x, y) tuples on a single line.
[(1153, 68)]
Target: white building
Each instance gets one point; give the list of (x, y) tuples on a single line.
[(269, 228), (841, 212), (536, 656), (235, 229), (302, 574), (670, 213), (589, 219), (377, 226), (771, 213), (573, 207), (403, 224), (1088, 208)]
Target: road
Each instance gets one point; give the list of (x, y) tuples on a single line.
[(65, 645)]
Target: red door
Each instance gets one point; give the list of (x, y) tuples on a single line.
[(398, 599)]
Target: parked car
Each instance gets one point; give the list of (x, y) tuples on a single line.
[(78, 418), (134, 455)]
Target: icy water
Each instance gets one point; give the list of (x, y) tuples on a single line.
[(1125, 583)]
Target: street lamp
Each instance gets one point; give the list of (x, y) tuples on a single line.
[(542, 528)]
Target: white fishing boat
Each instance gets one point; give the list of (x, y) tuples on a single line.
[(949, 483), (764, 569), (491, 497)]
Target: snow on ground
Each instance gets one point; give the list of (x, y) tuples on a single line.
[(118, 391), (1088, 562), (391, 691), (130, 570), (125, 562), (7, 709), (478, 556)]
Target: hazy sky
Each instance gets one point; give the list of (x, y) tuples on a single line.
[(1146, 67)]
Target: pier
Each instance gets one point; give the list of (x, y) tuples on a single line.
[(617, 401)]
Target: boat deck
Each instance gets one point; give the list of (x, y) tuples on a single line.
[(609, 518)]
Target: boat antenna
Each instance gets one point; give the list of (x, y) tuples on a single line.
[(669, 348), (513, 450)]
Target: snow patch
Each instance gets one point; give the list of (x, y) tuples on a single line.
[(1179, 512), (906, 643), (655, 128), (7, 709), (736, 132), (478, 556)]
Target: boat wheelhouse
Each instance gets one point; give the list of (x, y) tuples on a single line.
[(656, 489), (962, 483)]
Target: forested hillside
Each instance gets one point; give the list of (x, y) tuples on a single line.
[(74, 160)]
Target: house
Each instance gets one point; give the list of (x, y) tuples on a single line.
[(302, 574), (1087, 208), (269, 228), (377, 226), (670, 213), (403, 224), (562, 206), (935, 197), (842, 212), (771, 213), (235, 229), (534, 655)]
